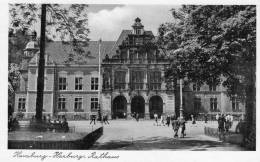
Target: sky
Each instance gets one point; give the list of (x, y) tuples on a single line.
[(107, 21)]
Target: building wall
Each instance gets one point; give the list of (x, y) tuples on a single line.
[(224, 103)]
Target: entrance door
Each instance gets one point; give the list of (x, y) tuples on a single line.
[(155, 106), (137, 106), (119, 107)]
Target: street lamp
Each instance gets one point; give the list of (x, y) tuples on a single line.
[(181, 101)]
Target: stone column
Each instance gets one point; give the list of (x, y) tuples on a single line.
[(162, 82), (128, 56), (145, 79), (127, 79), (146, 111), (112, 79)]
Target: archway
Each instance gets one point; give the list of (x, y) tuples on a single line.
[(137, 106), (119, 107), (155, 106)]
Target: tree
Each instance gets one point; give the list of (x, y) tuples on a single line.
[(215, 42), (68, 22)]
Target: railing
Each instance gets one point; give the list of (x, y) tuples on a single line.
[(120, 86), (136, 86), (154, 86)]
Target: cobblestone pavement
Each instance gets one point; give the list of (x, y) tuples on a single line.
[(145, 135)]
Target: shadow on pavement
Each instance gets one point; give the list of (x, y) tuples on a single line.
[(158, 143)]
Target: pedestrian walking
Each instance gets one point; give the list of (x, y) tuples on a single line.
[(137, 117), (168, 119), (65, 125), (193, 119), (227, 123), (162, 120), (105, 119), (221, 126), (93, 119), (183, 127), (175, 126), (155, 118)]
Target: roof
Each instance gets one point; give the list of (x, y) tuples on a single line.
[(58, 52), (122, 37), (119, 41)]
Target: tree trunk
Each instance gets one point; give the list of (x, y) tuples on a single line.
[(40, 79)]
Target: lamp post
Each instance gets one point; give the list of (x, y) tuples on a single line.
[(181, 101)]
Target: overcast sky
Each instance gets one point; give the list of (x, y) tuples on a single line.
[(107, 21)]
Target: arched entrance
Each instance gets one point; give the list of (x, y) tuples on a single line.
[(119, 107), (137, 106), (155, 106)]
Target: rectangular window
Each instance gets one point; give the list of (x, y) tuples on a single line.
[(235, 104), (120, 79), (155, 80), (94, 83), (21, 104), (212, 86), (94, 104), (137, 80), (196, 87), (197, 104), (78, 103), (78, 83), (61, 103), (139, 41), (138, 31), (62, 83), (213, 104)]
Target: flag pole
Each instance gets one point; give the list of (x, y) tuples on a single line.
[(99, 78)]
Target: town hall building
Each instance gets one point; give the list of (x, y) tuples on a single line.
[(131, 81)]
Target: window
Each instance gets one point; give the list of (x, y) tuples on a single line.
[(62, 83), (155, 80), (197, 104), (196, 87), (235, 104), (61, 103), (212, 86), (120, 79), (94, 104), (213, 104), (78, 103), (137, 79), (139, 41), (78, 83), (137, 31), (21, 104), (94, 83)]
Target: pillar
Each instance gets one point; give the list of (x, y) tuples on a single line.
[(146, 111), (128, 109)]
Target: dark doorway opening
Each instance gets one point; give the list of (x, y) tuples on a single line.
[(137, 106), (155, 106), (119, 107)]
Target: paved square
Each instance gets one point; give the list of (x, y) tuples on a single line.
[(145, 135)]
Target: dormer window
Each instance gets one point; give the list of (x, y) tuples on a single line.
[(137, 31)]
